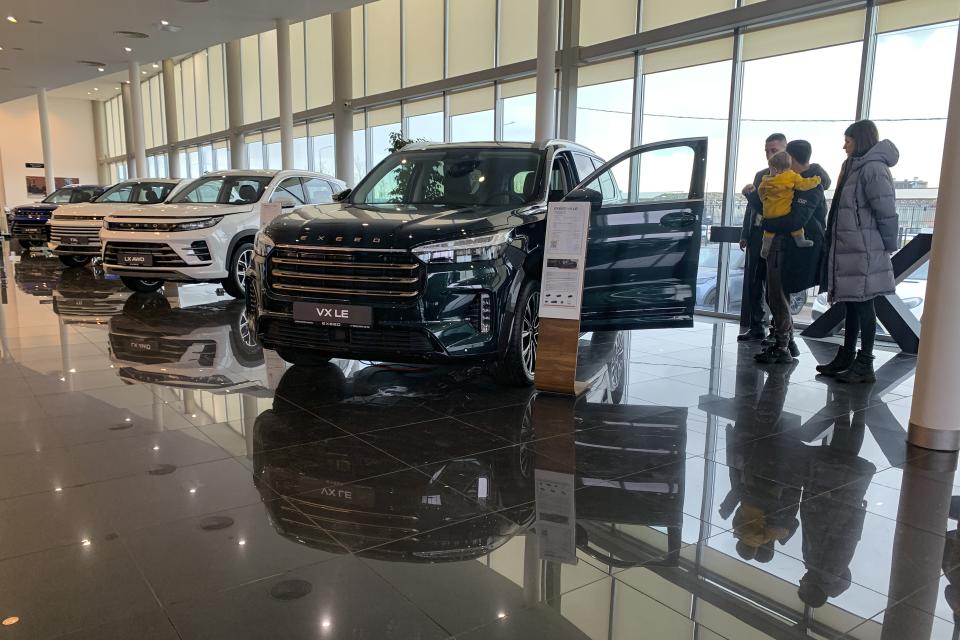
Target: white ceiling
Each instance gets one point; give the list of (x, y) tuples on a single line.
[(49, 52)]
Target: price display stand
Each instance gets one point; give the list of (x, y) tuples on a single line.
[(561, 294)]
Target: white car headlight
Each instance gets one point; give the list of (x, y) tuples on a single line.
[(472, 249), (263, 244), (196, 224)]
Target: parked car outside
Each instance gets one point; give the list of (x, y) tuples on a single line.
[(707, 285), (206, 231), (75, 228), (28, 223), (436, 255), (912, 290)]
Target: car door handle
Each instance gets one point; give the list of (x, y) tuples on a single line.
[(678, 220)]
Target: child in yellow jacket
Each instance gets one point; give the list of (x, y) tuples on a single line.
[(776, 193)]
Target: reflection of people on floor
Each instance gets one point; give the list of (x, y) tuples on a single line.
[(762, 457), (832, 513)]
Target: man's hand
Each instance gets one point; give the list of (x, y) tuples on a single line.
[(748, 189), (743, 245)]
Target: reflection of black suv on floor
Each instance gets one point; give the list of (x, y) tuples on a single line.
[(436, 255)]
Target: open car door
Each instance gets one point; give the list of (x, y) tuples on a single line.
[(644, 240)]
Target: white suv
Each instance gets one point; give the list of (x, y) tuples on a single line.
[(205, 232), (75, 228)]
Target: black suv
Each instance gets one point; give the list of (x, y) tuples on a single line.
[(28, 223), (436, 255)]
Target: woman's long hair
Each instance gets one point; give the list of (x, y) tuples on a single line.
[(864, 134)]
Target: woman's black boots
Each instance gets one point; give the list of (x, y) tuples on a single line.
[(860, 371), (840, 362)]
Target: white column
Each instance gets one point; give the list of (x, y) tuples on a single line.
[(343, 95), (170, 115), (128, 129), (935, 414), (238, 157), (285, 83), (547, 21), (100, 142), (46, 140), (136, 118)]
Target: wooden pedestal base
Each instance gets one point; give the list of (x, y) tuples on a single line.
[(557, 357)]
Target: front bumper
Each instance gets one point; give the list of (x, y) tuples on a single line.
[(75, 238), (177, 256), (456, 315), (32, 229)]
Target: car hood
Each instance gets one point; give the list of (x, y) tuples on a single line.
[(392, 226), (94, 209), (39, 206), (182, 210)]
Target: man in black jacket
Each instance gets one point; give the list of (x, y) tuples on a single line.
[(795, 268), (751, 237)]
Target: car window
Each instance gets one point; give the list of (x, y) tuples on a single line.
[(453, 177), (120, 193), (558, 181), (289, 188), (317, 191), (224, 190), (584, 165), (60, 196), (82, 195)]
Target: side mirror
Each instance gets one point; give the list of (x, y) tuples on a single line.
[(594, 197), (287, 203), (340, 196)]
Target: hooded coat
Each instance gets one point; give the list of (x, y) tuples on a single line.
[(862, 232)]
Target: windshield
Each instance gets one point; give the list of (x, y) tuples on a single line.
[(458, 177), (224, 190), (137, 192), (70, 196)]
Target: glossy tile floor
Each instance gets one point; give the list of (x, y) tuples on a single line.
[(163, 477)]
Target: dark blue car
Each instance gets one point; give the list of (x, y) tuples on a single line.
[(28, 223)]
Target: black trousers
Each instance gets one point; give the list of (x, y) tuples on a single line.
[(861, 322), (777, 298), (754, 285)]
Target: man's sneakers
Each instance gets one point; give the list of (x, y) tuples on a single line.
[(769, 341), (774, 355), (751, 335)]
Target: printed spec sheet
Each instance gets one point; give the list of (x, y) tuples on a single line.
[(564, 260)]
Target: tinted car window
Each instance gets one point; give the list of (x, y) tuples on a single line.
[(584, 165), (120, 193), (60, 196), (317, 191), (455, 176), (224, 190), (289, 188)]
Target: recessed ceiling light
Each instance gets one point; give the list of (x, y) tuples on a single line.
[(100, 69), (96, 88), (128, 49), (116, 88), (89, 93), (165, 22), (11, 19), (143, 73), (155, 65)]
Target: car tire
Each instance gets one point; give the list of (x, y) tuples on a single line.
[(141, 285), (72, 262), (516, 366), (241, 260), (140, 304), (243, 340), (302, 358)]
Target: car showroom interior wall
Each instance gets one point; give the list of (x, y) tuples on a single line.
[(71, 123)]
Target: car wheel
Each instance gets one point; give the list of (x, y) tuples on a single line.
[(517, 364), (74, 261), (235, 283), (303, 358), (246, 349), (145, 304), (797, 302), (141, 285)]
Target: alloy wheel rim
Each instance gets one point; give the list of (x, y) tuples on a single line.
[(530, 333), (246, 335), (243, 263)]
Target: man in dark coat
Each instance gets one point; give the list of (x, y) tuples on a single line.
[(798, 267), (751, 237)]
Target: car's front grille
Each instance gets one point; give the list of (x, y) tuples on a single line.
[(348, 274), (31, 228), (311, 336), (90, 235), (147, 350), (86, 307), (67, 217), (163, 254)]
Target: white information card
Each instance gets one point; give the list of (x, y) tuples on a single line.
[(556, 516), (564, 258)]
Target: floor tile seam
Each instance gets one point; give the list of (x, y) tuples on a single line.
[(487, 410), (334, 539), (95, 388), (113, 478), (74, 445), (509, 445), (485, 431), (902, 601), (313, 413), (403, 596)]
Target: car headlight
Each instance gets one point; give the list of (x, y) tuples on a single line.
[(196, 224), (263, 244), (912, 303), (473, 249), (823, 299)]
